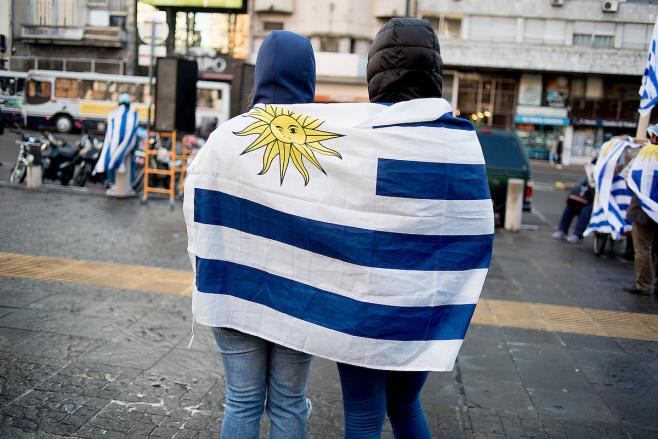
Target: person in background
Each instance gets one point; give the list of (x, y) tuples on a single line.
[(559, 148), (120, 140), (209, 125), (644, 232), (579, 205)]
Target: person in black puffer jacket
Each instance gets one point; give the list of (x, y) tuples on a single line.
[(404, 63)]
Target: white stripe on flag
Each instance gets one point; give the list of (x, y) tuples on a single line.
[(374, 285), (459, 217), (264, 322)]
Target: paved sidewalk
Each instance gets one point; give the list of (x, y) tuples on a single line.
[(93, 353)]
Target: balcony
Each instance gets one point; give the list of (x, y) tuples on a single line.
[(104, 36), (115, 6), (277, 6), (45, 32), (348, 66), (390, 8)]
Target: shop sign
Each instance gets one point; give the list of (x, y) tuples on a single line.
[(541, 120), (212, 64), (557, 91), (530, 90), (603, 123)]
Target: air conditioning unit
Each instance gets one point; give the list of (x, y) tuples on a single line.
[(610, 6), (557, 2)]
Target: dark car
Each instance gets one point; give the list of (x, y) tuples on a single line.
[(505, 158)]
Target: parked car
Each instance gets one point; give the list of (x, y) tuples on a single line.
[(505, 158)]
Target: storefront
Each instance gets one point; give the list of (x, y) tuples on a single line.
[(540, 128), (590, 134)]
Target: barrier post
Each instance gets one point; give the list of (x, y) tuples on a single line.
[(514, 205)]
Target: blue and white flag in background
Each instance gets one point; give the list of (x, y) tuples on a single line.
[(649, 88), (361, 233), (612, 194), (120, 138), (643, 179)]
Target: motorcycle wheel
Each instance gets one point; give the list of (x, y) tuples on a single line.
[(599, 242), (18, 172), (138, 185), (81, 173)]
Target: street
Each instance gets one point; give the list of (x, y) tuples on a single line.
[(95, 321)]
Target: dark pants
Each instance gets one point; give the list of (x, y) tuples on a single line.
[(369, 395), (571, 211), (646, 262), (583, 219)]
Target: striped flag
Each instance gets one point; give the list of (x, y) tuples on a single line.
[(649, 88), (361, 233), (643, 179), (120, 138), (612, 194)]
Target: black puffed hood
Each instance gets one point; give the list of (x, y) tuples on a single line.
[(404, 62)]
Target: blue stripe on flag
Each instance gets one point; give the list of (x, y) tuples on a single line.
[(448, 120), (622, 192), (358, 246), (431, 181), (330, 310), (637, 178), (122, 129)]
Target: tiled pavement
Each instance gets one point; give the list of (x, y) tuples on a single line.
[(88, 361)]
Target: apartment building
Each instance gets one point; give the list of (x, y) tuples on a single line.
[(75, 35), (341, 32), (546, 68)]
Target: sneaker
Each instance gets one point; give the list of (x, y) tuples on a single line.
[(558, 235), (636, 291), (574, 239)]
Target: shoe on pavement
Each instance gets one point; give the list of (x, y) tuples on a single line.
[(558, 235), (636, 291), (574, 239)]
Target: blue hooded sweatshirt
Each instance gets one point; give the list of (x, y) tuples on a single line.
[(285, 70)]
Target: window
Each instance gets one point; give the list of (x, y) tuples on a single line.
[(636, 36), (11, 86), (118, 21), (329, 44), (67, 88), (446, 27), (593, 34), (272, 25), (38, 92), (206, 98), (93, 90)]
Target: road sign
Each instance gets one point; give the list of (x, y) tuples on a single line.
[(144, 53)]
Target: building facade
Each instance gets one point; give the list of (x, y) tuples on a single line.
[(74, 35), (546, 68), (341, 32)]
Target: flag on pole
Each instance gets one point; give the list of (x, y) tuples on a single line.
[(361, 233), (649, 88), (643, 179), (612, 194)]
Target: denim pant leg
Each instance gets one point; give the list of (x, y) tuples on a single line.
[(583, 220), (567, 217), (364, 401), (245, 360), (286, 392), (403, 404)]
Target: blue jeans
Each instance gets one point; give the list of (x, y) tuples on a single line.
[(369, 395), (258, 370)]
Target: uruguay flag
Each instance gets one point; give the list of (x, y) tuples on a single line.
[(120, 138), (649, 88), (643, 179), (612, 194), (361, 233)]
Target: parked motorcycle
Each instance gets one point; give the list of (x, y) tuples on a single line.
[(25, 158), (90, 152), (59, 159)]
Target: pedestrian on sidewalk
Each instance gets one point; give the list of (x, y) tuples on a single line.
[(641, 212), (119, 143), (559, 148)]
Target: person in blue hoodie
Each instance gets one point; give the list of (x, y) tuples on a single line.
[(261, 374)]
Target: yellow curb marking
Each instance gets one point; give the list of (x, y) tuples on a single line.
[(489, 312)]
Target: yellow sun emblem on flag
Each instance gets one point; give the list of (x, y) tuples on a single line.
[(290, 136), (649, 152)]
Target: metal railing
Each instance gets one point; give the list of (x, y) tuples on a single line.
[(40, 31), (25, 63)]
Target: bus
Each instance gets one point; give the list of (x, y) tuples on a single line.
[(12, 95), (73, 100)]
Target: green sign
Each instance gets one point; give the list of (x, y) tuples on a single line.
[(236, 6)]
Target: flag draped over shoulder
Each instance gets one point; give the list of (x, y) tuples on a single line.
[(120, 137), (612, 194), (649, 88), (643, 179), (361, 233)]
